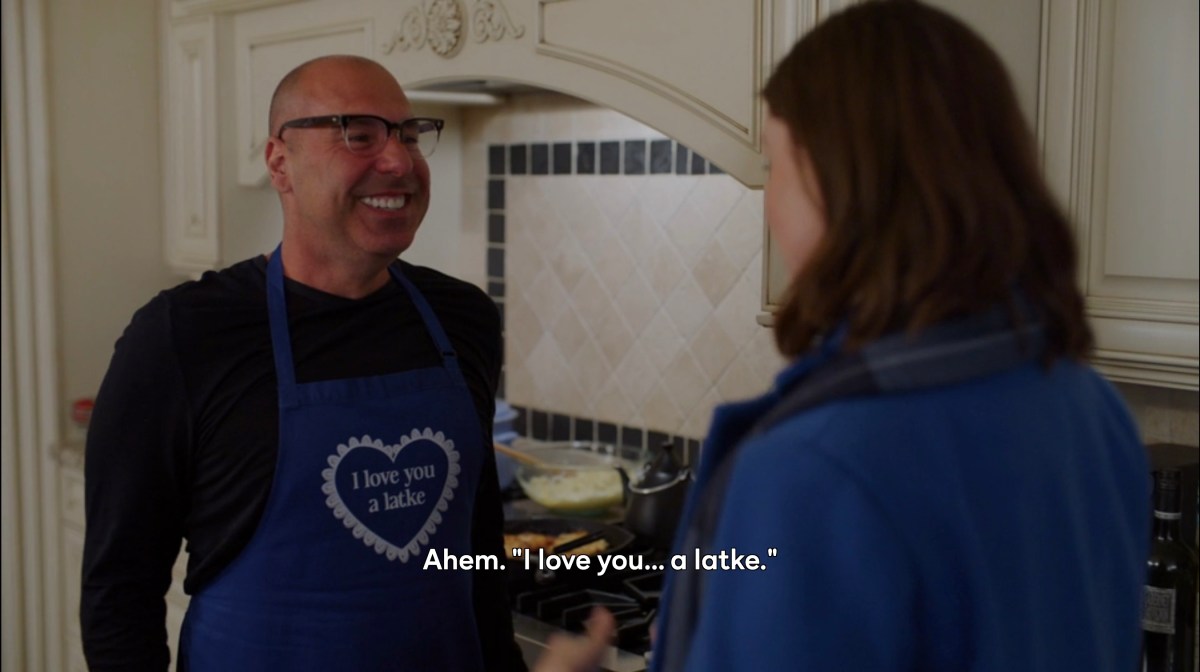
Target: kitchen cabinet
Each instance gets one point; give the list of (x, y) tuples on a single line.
[(1113, 97), (71, 542), (1119, 136)]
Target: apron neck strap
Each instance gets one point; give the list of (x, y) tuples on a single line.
[(281, 341), (432, 324)]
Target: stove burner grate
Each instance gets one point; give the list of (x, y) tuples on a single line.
[(631, 598)]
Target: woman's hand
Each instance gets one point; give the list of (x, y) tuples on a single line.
[(566, 653)]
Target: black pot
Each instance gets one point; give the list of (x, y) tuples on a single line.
[(655, 502)]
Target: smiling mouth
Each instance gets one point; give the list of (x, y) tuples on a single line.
[(385, 203)]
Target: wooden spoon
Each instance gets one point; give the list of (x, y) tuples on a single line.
[(521, 456)]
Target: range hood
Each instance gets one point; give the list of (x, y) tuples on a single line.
[(691, 72), (471, 92)]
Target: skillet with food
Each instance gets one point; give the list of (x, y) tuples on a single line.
[(547, 533), (566, 536)]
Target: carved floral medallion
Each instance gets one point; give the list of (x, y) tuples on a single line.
[(441, 25)]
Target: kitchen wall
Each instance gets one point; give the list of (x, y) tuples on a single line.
[(630, 299)]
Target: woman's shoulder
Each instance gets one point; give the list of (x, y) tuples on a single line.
[(874, 449), (827, 442)]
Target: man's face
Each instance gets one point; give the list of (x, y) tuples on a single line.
[(338, 205)]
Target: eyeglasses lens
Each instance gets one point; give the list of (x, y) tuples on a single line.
[(368, 136)]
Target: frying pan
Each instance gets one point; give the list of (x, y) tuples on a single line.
[(618, 538)]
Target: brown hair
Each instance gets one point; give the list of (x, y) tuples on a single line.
[(934, 200)]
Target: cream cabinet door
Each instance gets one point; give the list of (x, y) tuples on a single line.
[(267, 44), (1121, 117), (190, 216)]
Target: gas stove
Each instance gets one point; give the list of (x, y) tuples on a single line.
[(547, 604)]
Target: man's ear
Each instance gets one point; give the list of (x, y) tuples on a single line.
[(275, 154)]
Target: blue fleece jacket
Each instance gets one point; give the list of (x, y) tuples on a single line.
[(1000, 524)]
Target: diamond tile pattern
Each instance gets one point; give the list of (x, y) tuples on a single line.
[(632, 299)]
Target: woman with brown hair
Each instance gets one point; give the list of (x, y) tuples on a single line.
[(945, 482), (937, 480)]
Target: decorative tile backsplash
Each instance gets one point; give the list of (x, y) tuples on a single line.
[(628, 270)]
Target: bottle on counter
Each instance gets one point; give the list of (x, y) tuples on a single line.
[(1169, 599)]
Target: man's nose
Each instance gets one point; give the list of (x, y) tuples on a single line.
[(395, 156)]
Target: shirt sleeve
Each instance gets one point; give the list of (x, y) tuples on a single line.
[(133, 484), (837, 591)]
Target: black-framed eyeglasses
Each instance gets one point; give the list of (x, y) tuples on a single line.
[(367, 134)]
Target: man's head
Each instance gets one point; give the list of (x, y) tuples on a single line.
[(339, 206)]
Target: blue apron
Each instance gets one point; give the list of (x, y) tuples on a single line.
[(372, 474)]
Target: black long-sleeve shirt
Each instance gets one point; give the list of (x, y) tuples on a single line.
[(183, 440)]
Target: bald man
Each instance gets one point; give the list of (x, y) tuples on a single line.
[(314, 422)]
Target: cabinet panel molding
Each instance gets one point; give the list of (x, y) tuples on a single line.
[(268, 44), (792, 19), (186, 8), (190, 147), (1148, 103)]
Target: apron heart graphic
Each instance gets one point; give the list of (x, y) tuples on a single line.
[(392, 497)]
